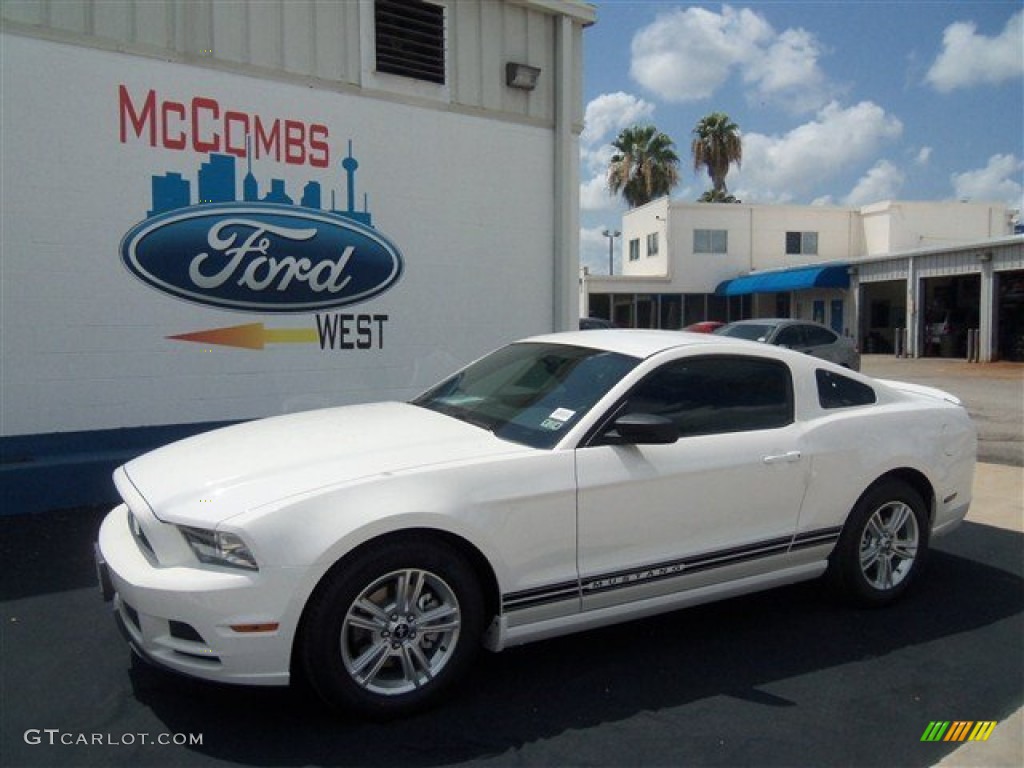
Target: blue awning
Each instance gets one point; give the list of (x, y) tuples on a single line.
[(783, 281)]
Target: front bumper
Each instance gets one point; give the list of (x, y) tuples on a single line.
[(186, 617)]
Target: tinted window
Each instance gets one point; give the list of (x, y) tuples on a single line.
[(791, 336), (838, 391), (817, 336), (714, 394)]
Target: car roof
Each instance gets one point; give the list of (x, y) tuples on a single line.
[(634, 342), (769, 321)]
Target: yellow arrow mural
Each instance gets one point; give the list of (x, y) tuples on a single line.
[(250, 336)]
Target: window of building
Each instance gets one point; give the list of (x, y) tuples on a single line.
[(652, 244), (837, 391), (410, 39), (634, 249), (717, 393), (710, 241), (801, 243)]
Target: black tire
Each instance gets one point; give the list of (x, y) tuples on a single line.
[(392, 629), (883, 546)]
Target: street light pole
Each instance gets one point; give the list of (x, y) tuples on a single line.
[(611, 244)]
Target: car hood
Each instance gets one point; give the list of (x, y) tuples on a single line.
[(206, 479)]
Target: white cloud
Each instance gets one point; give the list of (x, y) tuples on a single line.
[(784, 168), (787, 72), (998, 181), (609, 113), (968, 59), (687, 54), (923, 156), (882, 182), (594, 194)]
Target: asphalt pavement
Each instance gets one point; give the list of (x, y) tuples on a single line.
[(789, 677)]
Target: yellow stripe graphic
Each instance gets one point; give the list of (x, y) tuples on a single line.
[(982, 730)]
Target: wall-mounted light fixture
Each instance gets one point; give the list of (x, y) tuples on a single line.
[(521, 76), (986, 257)]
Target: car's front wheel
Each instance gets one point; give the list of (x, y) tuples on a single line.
[(392, 629), (883, 544)]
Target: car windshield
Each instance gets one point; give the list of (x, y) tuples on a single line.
[(529, 393), (751, 331)]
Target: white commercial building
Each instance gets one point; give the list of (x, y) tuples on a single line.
[(215, 211), (888, 274)]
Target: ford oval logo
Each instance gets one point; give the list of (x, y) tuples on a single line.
[(261, 257)]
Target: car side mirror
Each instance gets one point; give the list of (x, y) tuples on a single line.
[(646, 429)]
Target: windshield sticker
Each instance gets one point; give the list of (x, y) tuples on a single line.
[(552, 425), (562, 414)]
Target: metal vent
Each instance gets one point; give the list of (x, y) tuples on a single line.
[(410, 39)]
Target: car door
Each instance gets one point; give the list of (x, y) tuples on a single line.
[(721, 503)]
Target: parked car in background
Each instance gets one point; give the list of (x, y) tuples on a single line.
[(595, 323), (705, 326), (803, 336), (945, 332), (559, 484)]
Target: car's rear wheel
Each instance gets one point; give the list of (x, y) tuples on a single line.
[(391, 630), (883, 544)]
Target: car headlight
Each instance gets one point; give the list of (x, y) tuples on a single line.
[(219, 548)]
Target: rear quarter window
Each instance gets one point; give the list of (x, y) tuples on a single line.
[(838, 391)]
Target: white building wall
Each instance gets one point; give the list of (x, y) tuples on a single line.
[(466, 191), (835, 229), (328, 43), (898, 226), (638, 227)]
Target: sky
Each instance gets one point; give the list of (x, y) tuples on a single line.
[(838, 103)]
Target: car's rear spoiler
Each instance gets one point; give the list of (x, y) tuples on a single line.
[(920, 389)]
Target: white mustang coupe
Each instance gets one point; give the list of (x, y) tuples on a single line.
[(558, 484)]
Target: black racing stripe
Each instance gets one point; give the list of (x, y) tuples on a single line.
[(816, 538), (530, 598), (716, 559), (720, 558)]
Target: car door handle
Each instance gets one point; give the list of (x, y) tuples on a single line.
[(783, 458)]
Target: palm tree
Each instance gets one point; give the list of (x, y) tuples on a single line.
[(644, 166), (716, 145), (710, 196)]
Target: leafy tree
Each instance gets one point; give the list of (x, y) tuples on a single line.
[(644, 166), (716, 145)]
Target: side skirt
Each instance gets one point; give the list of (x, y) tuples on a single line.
[(500, 635)]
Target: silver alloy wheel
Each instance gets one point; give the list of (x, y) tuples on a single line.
[(888, 545), (400, 632)]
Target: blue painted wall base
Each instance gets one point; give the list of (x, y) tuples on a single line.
[(63, 470)]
